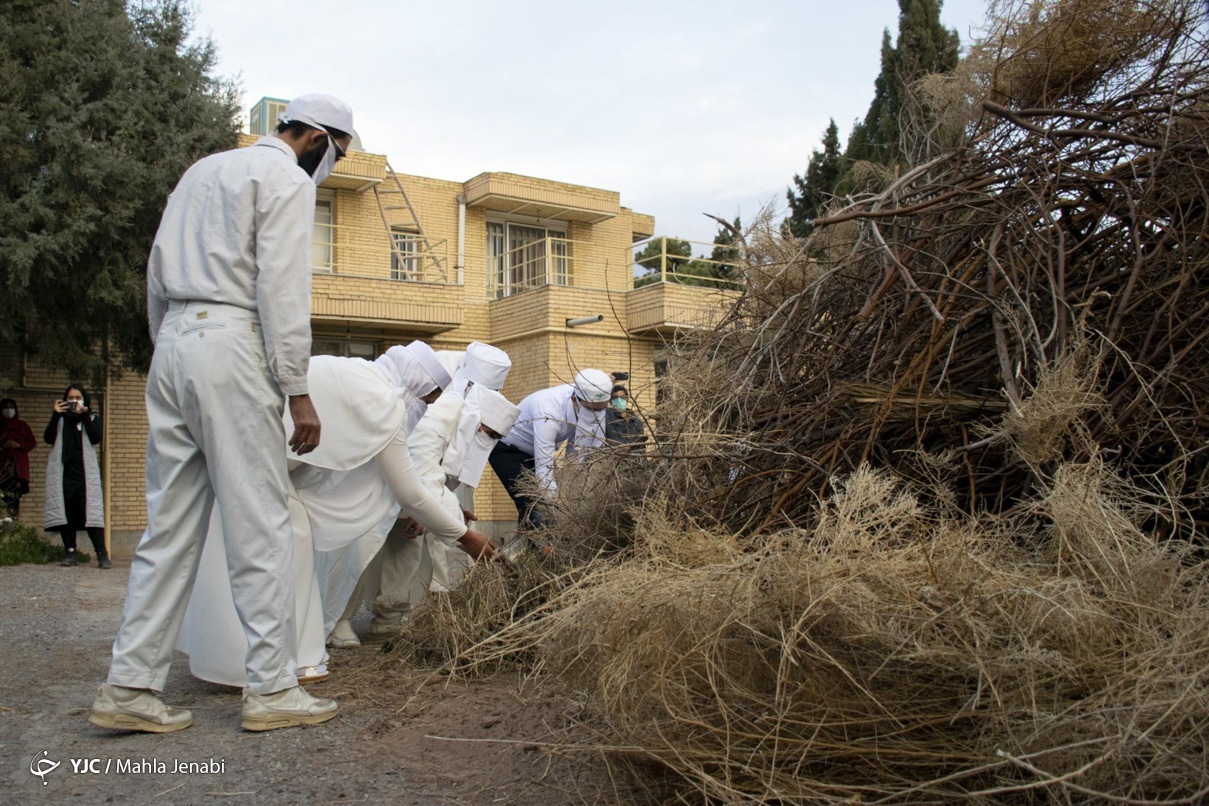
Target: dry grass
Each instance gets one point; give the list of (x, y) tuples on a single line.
[(900, 653)]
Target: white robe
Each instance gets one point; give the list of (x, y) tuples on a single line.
[(339, 497)]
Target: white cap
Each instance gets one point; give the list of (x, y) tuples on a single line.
[(319, 111), (495, 411), (486, 365), (593, 386), (426, 357)]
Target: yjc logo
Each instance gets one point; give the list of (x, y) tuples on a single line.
[(41, 766)]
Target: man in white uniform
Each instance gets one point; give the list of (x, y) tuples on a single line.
[(408, 563), (229, 303), (420, 373), (401, 571), (570, 412)]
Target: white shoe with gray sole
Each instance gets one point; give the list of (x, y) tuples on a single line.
[(120, 708), (285, 709)]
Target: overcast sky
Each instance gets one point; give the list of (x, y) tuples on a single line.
[(682, 107)]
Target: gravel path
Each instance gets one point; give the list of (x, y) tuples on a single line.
[(56, 628)]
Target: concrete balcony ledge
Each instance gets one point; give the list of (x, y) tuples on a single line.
[(666, 308), (554, 201), (372, 304)]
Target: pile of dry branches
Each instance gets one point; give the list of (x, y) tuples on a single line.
[(921, 519), (1067, 223)]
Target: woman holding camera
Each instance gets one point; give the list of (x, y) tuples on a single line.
[(73, 477)]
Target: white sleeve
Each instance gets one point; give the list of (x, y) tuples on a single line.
[(400, 474), (545, 443), (284, 216), (427, 443), (157, 302)]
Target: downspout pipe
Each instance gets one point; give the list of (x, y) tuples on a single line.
[(461, 239)]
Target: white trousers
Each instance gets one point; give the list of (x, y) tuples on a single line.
[(215, 432), (397, 581)]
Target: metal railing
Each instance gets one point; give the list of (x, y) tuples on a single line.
[(553, 261), (375, 253), (662, 264), (532, 264)]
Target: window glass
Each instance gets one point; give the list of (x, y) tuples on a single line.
[(323, 236)]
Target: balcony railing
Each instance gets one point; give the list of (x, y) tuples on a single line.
[(557, 261), (533, 264), (375, 253), (661, 260)]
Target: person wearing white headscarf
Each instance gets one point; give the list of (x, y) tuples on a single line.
[(229, 306), (400, 574), (417, 368), (571, 413), (357, 480)]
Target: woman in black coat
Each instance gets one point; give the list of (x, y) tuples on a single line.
[(74, 499)]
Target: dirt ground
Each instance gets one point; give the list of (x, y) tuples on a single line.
[(403, 735)]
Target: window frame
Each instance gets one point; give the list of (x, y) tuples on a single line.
[(509, 279)]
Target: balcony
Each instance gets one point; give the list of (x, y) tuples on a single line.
[(677, 292), (541, 199)]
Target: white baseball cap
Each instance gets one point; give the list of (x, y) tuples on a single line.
[(320, 111), (593, 386)]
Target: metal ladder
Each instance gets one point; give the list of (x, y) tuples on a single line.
[(393, 197)]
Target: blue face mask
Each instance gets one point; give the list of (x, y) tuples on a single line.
[(618, 403)]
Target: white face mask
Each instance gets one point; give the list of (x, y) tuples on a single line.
[(327, 164), (589, 428), (476, 459), (9, 413)]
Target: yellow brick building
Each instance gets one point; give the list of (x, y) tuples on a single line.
[(499, 258)]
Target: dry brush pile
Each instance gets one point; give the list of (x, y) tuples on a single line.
[(922, 520)]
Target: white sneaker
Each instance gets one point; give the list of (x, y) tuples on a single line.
[(342, 636), (285, 709), (120, 708)]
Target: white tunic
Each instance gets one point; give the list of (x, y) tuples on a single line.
[(229, 234)]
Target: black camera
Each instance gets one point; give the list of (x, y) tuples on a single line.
[(71, 405)]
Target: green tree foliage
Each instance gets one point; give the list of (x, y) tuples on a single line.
[(923, 46), (674, 253), (102, 107), (817, 187)]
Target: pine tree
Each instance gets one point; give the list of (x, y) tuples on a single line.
[(817, 187), (923, 46), (102, 107)]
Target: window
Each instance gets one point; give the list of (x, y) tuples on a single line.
[(323, 236), (403, 263), (344, 348), (521, 257)]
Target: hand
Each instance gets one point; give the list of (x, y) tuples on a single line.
[(477, 545), (469, 516), (12, 443), (413, 529), (61, 407), (306, 424)]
